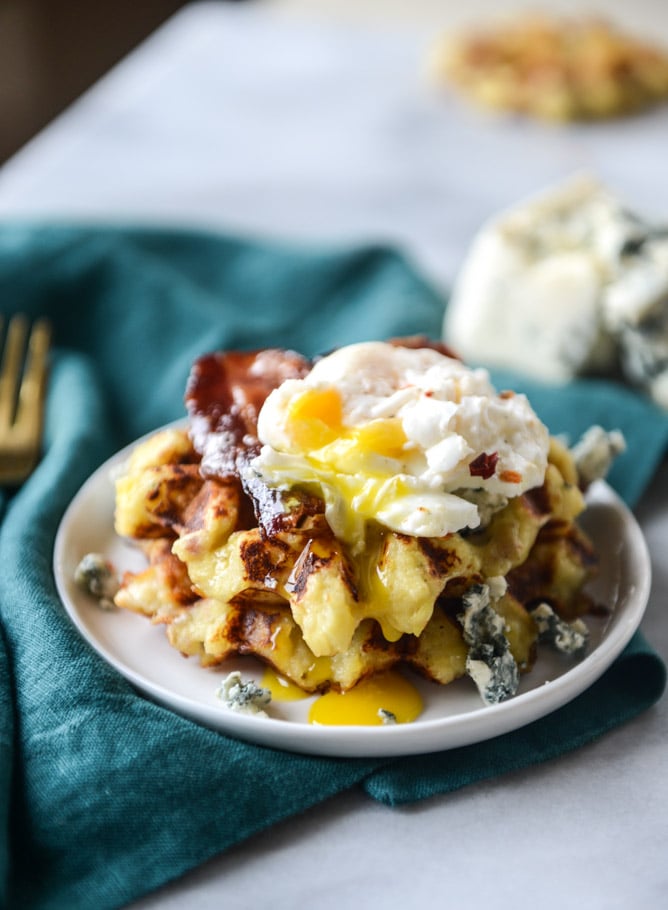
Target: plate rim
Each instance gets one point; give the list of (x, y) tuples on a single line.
[(419, 737)]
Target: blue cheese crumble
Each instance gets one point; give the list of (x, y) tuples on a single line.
[(96, 576), (387, 717), (489, 662), (246, 697), (567, 638), (595, 452)]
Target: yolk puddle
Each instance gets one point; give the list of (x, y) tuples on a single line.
[(386, 697), (281, 689)]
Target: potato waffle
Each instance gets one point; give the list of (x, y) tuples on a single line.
[(224, 586), (559, 70)]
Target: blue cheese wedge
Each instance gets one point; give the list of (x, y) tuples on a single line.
[(565, 284), (489, 662), (244, 696)]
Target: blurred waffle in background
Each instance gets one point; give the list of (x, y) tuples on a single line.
[(53, 50), (554, 68)]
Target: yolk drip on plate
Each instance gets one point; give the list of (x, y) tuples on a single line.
[(381, 699), (281, 689), (386, 697)]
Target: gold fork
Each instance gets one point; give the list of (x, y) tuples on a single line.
[(22, 384)]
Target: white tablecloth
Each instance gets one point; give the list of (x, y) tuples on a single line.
[(252, 120)]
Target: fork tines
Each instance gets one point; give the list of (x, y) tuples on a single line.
[(23, 374)]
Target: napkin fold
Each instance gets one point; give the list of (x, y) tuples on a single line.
[(104, 795)]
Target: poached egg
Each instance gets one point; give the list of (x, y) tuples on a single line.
[(408, 438)]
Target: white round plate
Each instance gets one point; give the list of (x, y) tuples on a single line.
[(453, 715)]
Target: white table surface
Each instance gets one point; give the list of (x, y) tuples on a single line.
[(302, 124)]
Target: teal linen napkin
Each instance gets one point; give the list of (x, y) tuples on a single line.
[(106, 795)]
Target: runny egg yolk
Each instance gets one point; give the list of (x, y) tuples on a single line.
[(315, 423), (281, 689), (315, 418), (384, 436), (381, 699), (384, 698)]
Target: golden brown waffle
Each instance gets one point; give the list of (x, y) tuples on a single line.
[(554, 69), (223, 587)]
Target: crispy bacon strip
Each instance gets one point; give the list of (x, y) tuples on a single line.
[(224, 394)]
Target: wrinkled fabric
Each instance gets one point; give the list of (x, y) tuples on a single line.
[(105, 795)]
